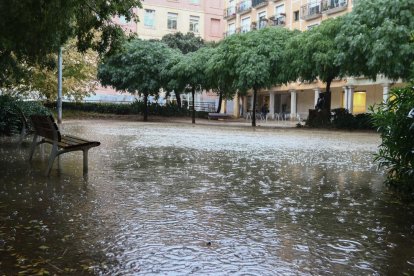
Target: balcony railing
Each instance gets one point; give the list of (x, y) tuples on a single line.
[(230, 12), (333, 6), (278, 20), (259, 3), (244, 6), (311, 10)]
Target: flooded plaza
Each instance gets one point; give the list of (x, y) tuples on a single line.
[(176, 199)]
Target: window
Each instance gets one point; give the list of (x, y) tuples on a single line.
[(261, 19), (360, 102), (280, 11), (122, 20), (215, 27), (296, 15), (149, 18), (245, 25), (231, 29), (194, 22), (172, 21), (195, 2), (314, 7)]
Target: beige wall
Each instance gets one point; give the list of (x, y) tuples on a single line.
[(160, 25), (290, 6)]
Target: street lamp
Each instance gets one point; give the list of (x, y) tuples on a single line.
[(59, 99)]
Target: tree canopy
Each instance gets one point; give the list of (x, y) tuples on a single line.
[(219, 69), (30, 30), (79, 75), (313, 55), (258, 60), (189, 73), (138, 68), (186, 43), (377, 37)]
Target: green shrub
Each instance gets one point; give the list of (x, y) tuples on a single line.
[(10, 117), (339, 118), (319, 119), (134, 108), (342, 119), (396, 152), (364, 121)]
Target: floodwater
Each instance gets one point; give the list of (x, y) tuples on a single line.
[(175, 199)]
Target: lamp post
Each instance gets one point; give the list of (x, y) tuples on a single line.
[(59, 99)]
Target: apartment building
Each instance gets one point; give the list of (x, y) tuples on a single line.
[(295, 100), (157, 18)]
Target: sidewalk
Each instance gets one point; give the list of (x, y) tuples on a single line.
[(239, 122)]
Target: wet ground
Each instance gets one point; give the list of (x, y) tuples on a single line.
[(177, 199)]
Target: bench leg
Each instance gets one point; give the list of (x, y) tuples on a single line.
[(85, 161), (52, 157)]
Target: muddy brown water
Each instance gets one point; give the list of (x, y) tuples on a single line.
[(176, 199)]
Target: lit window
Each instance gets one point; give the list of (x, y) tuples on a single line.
[(194, 22), (172, 21), (149, 18), (360, 102)]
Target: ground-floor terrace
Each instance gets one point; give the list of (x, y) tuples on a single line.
[(294, 101)]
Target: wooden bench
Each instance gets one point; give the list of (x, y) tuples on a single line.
[(216, 116), (45, 127)]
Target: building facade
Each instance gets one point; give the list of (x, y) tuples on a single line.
[(157, 18), (295, 100)]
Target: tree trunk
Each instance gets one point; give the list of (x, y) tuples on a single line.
[(145, 107), (193, 96), (254, 107), (327, 106), (178, 98), (219, 101)]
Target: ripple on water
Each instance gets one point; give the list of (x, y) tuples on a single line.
[(176, 200)]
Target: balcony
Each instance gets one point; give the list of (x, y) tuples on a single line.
[(334, 6), (259, 3), (244, 6), (311, 10), (278, 20), (230, 13)]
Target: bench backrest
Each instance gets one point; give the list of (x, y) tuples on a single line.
[(44, 125)]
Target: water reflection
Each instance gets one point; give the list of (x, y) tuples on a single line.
[(164, 199)]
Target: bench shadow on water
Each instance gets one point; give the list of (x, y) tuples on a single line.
[(162, 199)]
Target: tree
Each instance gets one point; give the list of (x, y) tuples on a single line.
[(377, 38), (219, 69), (186, 43), (188, 73), (258, 60), (31, 30), (79, 75), (137, 68), (313, 54)]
